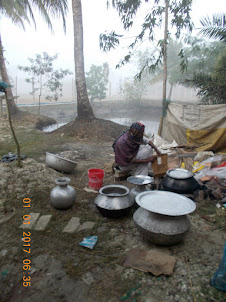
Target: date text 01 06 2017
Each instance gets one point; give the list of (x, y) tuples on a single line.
[(26, 245)]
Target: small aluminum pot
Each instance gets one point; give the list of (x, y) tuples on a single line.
[(179, 181), (114, 201)]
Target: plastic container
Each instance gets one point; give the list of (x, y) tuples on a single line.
[(219, 280), (96, 177)]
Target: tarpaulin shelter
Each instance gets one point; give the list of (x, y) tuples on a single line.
[(200, 125)]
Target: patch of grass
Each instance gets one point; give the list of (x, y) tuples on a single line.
[(34, 144), (212, 215), (213, 294)]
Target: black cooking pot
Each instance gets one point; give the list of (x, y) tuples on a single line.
[(179, 181)]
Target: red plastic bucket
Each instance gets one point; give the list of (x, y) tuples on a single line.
[(96, 177)]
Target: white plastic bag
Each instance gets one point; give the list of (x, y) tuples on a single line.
[(206, 171)]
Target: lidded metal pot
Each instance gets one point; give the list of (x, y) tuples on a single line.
[(162, 216), (114, 201), (141, 182), (179, 181), (63, 196)]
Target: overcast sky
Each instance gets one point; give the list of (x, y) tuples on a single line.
[(20, 45)]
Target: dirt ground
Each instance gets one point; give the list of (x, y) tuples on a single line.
[(62, 270)]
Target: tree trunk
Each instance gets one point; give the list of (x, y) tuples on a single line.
[(170, 92), (39, 104), (164, 65), (12, 106), (84, 108), (19, 164)]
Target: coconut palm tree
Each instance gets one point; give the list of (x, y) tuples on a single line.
[(83, 106), (215, 29), (212, 87), (20, 12)]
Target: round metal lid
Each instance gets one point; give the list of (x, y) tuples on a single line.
[(140, 179), (179, 173), (165, 203)]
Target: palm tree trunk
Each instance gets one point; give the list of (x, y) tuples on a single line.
[(164, 65), (84, 108), (12, 106)]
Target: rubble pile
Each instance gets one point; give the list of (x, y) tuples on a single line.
[(19, 182)]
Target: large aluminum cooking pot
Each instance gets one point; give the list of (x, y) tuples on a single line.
[(162, 216), (114, 201), (179, 181), (161, 229), (59, 163)]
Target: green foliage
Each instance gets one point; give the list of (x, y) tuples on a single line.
[(107, 42), (15, 11), (215, 29), (154, 72), (209, 62), (96, 81), (212, 87), (128, 9), (20, 11), (43, 77), (134, 89), (174, 74)]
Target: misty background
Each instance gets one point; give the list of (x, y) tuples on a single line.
[(20, 45)]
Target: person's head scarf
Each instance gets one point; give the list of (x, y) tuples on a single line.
[(137, 130), (137, 126)]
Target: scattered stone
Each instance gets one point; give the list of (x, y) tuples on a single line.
[(88, 278), (86, 226), (89, 190), (3, 253), (6, 213), (102, 229), (217, 194), (15, 250), (42, 222), (72, 225), (32, 270), (198, 195), (32, 220)]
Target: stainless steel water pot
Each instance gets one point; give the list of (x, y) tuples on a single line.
[(114, 201), (141, 182), (63, 196)]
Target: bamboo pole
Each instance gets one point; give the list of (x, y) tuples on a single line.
[(19, 163), (164, 66)]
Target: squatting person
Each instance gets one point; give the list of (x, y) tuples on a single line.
[(133, 151)]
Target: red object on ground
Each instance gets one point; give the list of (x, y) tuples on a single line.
[(96, 177), (221, 165)]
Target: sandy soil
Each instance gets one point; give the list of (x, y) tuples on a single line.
[(61, 270)]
